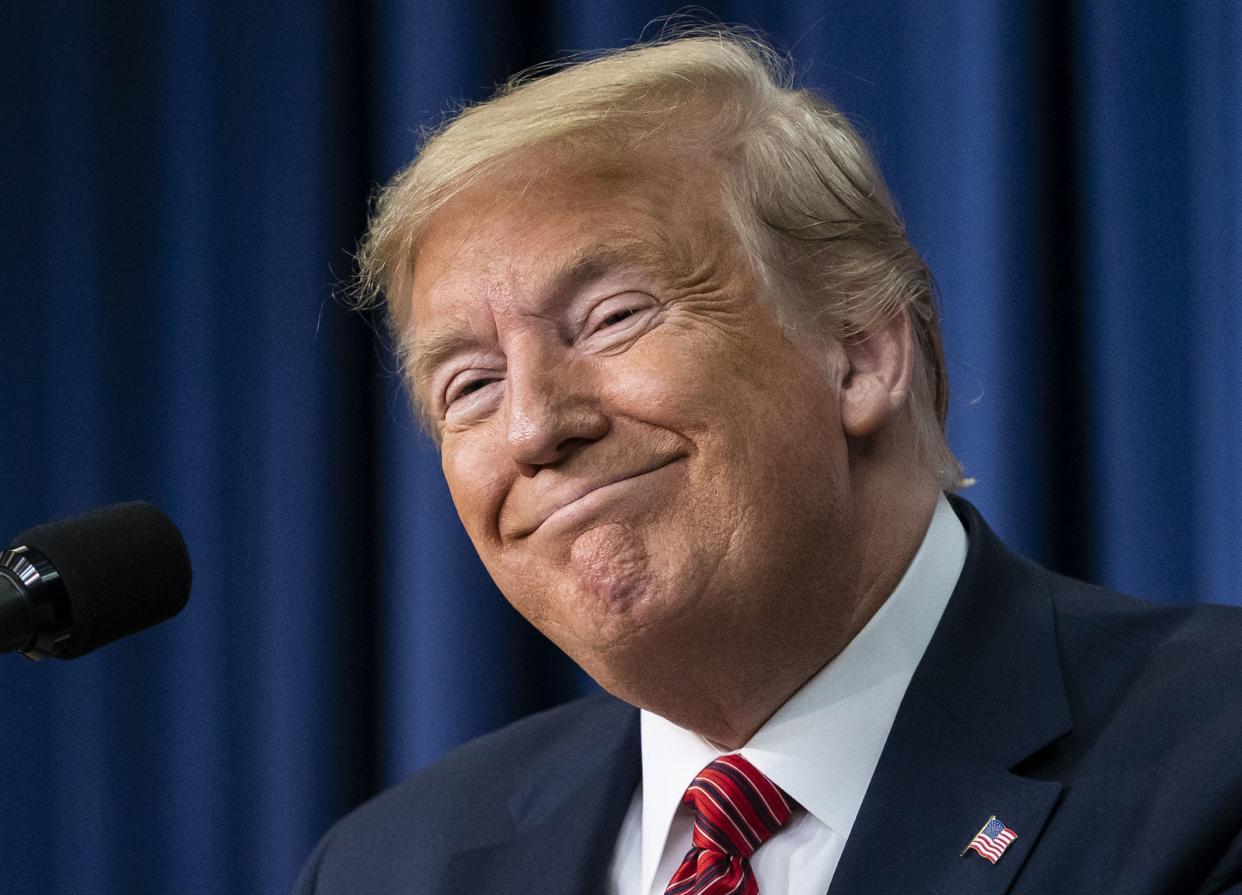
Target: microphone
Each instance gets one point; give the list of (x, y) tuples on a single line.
[(72, 586)]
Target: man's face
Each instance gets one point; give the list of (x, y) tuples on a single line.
[(637, 449)]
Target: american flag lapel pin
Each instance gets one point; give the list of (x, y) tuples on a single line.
[(991, 840)]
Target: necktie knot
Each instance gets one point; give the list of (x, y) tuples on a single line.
[(736, 810)]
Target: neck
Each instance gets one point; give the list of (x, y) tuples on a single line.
[(727, 688)]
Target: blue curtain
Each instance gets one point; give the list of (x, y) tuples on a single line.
[(184, 183)]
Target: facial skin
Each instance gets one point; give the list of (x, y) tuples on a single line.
[(658, 476)]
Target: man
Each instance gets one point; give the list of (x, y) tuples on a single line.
[(684, 369)]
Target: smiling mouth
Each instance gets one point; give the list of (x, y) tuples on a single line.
[(576, 499)]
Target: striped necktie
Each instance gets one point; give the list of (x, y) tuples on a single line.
[(736, 810)]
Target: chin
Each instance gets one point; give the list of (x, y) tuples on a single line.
[(610, 568)]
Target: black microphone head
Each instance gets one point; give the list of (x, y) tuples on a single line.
[(124, 567)]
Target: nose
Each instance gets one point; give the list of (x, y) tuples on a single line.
[(553, 408)]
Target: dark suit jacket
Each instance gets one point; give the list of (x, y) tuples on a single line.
[(1105, 731)]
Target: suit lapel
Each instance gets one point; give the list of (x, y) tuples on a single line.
[(564, 825), (986, 696)]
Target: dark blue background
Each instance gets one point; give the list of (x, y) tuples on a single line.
[(183, 185)]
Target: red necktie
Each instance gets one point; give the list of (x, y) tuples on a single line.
[(736, 810)]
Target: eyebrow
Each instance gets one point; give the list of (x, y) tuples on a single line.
[(427, 352)]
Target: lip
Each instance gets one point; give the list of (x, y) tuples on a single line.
[(575, 495)]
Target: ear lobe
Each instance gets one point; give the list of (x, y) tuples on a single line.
[(877, 382)]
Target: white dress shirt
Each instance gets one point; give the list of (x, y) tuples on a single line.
[(821, 747)]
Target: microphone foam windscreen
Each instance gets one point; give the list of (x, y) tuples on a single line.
[(125, 567)]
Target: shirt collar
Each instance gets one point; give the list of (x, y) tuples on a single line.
[(822, 746)]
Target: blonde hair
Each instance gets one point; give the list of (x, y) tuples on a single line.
[(804, 195)]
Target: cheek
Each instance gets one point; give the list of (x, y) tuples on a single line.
[(477, 483), (672, 387)]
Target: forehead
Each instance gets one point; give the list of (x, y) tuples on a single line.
[(520, 238), (513, 227)]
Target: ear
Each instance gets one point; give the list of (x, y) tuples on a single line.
[(877, 382)]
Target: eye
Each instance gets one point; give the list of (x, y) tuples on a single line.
[(617, 316), (465, 386), (473, 386), (617, 313)]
